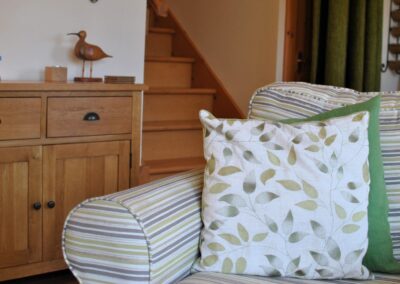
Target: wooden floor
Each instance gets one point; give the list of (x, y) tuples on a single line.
[(62, 277)]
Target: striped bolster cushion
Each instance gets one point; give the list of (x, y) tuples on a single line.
[(148, 234), (219, 278), (298, 100)]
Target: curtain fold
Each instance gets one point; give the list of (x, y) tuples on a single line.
[(346, 43)]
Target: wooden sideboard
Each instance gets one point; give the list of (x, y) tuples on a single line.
[(59, 145)]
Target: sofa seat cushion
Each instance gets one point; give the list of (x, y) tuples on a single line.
[(220, 278)]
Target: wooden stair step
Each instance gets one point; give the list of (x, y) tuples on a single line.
[(180, 91), (394, 65), (167, 59), (395, 15), (149, 126), (394, 48), (172, 144), (167, 71), (395, 32), (174, 165), (161, 30), (159, 42), (175, 104)]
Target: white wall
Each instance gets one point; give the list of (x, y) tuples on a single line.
[(238, 39), (389, 80), (33, 35)]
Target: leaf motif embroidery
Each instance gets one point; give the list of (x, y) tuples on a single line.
[(229, 170), (292, 156), (312, 136), (355, 135), (319, 258), (366, 172), (260, 237), (333, 249), (297, 237), (322, 133), (227, 265), (275, 261), (243, 234), (309, 190), (240, 265), (227, 155), (219, 187), (330, 140), (216, 247), (353, 256), (340, 212), (313, 148), (231, 239), (310, 205), (357, 217), (350, 228), (318, 229), (211, 165), (249, 156), (290, 184), (234, 200), (228, 211), (287, 225), (265, 197), (210, 260), (267, 175), (249, 184), (274, 159), (271, 224)]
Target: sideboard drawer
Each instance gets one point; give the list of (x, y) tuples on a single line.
[(20, 118), (89, 116)]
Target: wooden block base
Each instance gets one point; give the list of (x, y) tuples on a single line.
[(88, 80)]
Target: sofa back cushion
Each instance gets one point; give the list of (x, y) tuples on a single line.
[(300, 100)]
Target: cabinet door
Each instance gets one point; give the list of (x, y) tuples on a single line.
[(73, 173), (20, 189)]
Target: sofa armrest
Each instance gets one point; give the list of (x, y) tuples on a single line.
[(147, 234)]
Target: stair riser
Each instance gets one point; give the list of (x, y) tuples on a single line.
[(158, 44), (168, 74), (175, 107), (161, 145)]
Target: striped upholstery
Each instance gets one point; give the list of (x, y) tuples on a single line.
[(219, 278), (148, 234), (299, 100)]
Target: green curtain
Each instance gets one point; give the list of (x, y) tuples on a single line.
[(346, 43)]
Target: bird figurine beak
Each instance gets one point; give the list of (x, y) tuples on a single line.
[(73, 34)]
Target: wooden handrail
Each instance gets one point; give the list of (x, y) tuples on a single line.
[(160, 7)]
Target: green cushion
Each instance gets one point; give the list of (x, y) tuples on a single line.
[(379, 257)]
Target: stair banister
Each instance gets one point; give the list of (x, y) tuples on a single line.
[(160, 7)]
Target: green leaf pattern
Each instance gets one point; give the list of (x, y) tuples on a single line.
[(281, 200)]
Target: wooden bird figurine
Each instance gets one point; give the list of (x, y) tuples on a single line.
[(87, 52)]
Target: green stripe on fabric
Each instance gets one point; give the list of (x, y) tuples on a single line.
[(105, 258)]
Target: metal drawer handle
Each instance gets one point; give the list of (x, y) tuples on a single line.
[(91, 116)]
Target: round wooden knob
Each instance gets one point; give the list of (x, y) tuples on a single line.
[(37, 205), (51, 204)]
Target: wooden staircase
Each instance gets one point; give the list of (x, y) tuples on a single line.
[(172, 134), (393, 34)]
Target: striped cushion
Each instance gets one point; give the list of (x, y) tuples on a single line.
[(219, 278), (298, 100), (148, 234)]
